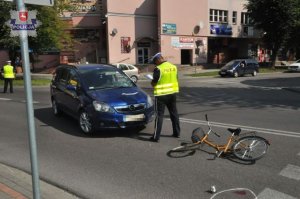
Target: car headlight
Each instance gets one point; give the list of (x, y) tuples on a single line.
[(149, 101), (102, 107)]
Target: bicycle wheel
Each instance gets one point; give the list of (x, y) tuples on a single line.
[(250, 148)]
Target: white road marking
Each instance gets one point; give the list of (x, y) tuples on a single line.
[(269, 193), (291, 171), (298, 154), (23, 101), (5, 99), (34, 102), (247, 128)]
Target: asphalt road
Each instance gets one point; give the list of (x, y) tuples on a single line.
[(124, 164)]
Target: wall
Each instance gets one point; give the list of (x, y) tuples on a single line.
[(135, 21), (187, 17)]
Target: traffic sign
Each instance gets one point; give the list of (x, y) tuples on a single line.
[(38, 2)]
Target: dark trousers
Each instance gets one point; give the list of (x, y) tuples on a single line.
[(160, 103), (10, 82)]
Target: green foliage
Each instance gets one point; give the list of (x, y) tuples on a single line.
[(276, 18), (6, 41), (50, 35)]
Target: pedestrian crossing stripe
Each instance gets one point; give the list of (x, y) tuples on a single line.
[(269, 193), (291, 171)]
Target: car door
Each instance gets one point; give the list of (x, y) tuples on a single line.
[(242, 68), (58, 87), (72, 92), (249, 68)]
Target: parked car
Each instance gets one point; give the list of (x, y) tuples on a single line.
[(130, 70), (240, 67), (99, 96), (294, 67)]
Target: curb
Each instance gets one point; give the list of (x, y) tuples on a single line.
[(17, 184)]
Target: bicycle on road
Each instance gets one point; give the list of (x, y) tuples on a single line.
[(244, 146)]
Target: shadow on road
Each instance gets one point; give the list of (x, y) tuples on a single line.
[(191, 152), (70, 126)]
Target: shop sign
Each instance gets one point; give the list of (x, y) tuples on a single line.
[(220, 29), (168, 28), (182, 42)]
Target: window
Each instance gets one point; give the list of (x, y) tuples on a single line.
[(245, 19), (234, 17), (220, 16), (123, 67)]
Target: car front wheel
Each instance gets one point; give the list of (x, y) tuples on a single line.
[(85, 123), (254, 73)]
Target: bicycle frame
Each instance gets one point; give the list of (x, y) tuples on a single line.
[(223, 147), (220, 148)]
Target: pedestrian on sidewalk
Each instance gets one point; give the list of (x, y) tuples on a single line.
[(8, 75), (166, 87)]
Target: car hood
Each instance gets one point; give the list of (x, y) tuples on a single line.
[(120, 96)]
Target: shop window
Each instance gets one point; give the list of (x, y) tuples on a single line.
[(220, 16), (234, 17), (245, 19)]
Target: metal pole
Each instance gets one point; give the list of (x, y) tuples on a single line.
[(30, 113)]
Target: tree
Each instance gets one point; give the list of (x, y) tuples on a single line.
[(292, 43), (50, 35), (276, 19)]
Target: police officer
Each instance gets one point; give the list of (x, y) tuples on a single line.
[(165, 84), (9, 75)]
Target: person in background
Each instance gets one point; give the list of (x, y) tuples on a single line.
[(17, 62), (9, 76), (166, 86)]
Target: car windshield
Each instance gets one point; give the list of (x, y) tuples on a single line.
[(106, 78), (231, 64)]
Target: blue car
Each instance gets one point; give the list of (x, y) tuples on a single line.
[(99, 96)]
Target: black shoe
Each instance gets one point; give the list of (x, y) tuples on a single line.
[(152, 139), (176, 136)]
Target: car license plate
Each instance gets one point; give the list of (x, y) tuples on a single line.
[(132, 118), (223, 73)]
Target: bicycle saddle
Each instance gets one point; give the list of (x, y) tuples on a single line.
[(236, 131)]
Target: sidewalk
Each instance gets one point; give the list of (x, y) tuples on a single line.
[(16, 184)]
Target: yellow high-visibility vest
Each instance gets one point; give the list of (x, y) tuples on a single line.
[(168, 82), (8, 71)]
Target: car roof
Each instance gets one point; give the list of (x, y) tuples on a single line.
[(247, 60), (92, 66), (87, 66)]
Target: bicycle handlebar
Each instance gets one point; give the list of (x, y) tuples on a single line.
[(210, 129)]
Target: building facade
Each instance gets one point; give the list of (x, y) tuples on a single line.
[(190, 33), (193, 32), (85, 23)]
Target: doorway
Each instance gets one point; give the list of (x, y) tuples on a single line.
[(186, 57), (143, 55)]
